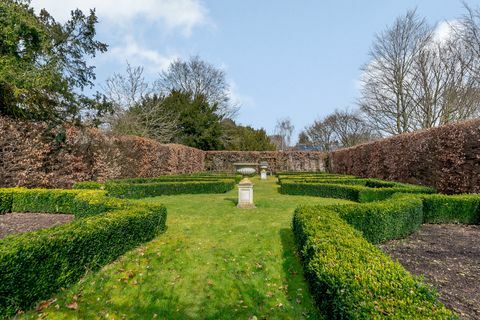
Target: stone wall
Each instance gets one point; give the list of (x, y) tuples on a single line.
[(33, 155), (277, 160), (446, 158)]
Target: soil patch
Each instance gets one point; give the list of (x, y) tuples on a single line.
[(448, 256), (11, 223)]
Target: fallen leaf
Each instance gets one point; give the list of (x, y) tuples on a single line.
[(73, 305), (45, 304)]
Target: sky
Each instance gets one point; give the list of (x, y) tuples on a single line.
[(283, 58)]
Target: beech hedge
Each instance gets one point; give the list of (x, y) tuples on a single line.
[(352, 279), (36, 264)]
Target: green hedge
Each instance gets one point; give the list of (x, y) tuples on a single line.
[(88, 185), (352, 279), (350, 192), (181, 178), (383, 220), (440, 208), (451, 209), (81, 203), (36, 264), (6, 200), (142, 190)]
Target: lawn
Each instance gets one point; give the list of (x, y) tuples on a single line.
[(214, 262)]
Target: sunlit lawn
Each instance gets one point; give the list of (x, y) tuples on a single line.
[(214, 262)]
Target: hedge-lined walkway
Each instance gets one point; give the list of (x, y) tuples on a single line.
[(214, 262)]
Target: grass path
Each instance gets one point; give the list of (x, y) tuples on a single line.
[(214, 262)]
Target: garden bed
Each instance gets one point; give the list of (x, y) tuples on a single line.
[(12, 223), (448, 256)]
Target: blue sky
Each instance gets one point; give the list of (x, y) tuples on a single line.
[(297, 59)]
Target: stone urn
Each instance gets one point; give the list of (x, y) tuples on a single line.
[(263, 170), (246, 168)]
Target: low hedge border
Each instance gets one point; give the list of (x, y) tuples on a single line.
[(383, 220), (440, 208), (81, 203), (142, 190), (355, 193), (36, 264), (88, 185), (348, 275), (352, 279)]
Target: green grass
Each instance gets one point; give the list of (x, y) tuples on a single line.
[(214, 262)]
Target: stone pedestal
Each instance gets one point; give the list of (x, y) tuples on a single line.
[(245, 194), (263, 174)]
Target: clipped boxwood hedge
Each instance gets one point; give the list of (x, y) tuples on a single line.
[(355, 193), (352, 279), (89, 185), (142, 190), (440, 208), (36, 264), (81, 203), (383, 220), (6, 200)]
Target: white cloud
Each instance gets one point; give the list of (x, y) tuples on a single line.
[(138, 55), (239, 99), (445, 30), (181, 15)]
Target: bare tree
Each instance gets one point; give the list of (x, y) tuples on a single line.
[(150, 119), (127, 90), (343, 128), (418, 80), (469, 32), (443, 88), (199, 77), (386, 79), (284, 128), (137, 110), (321, 134)]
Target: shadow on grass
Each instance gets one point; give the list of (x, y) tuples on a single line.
[(297, 290), (232, 200)]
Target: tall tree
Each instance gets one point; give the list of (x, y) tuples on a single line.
[(386, 79), (284, 128), (198, 124), (417, 79), (43, 63), (245, 138), (199, 78), (341, 129)]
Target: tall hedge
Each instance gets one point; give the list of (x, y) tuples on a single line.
[(445, 158)]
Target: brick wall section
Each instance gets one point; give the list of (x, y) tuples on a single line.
[(277, 160), (31, 156), (446, 158)]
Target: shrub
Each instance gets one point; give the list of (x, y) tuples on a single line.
[(349, 192), (6, 199), (352, 279), (36, 264), (81, 203), (383, 220), (89, 185), (142, 190), (440, 208)]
